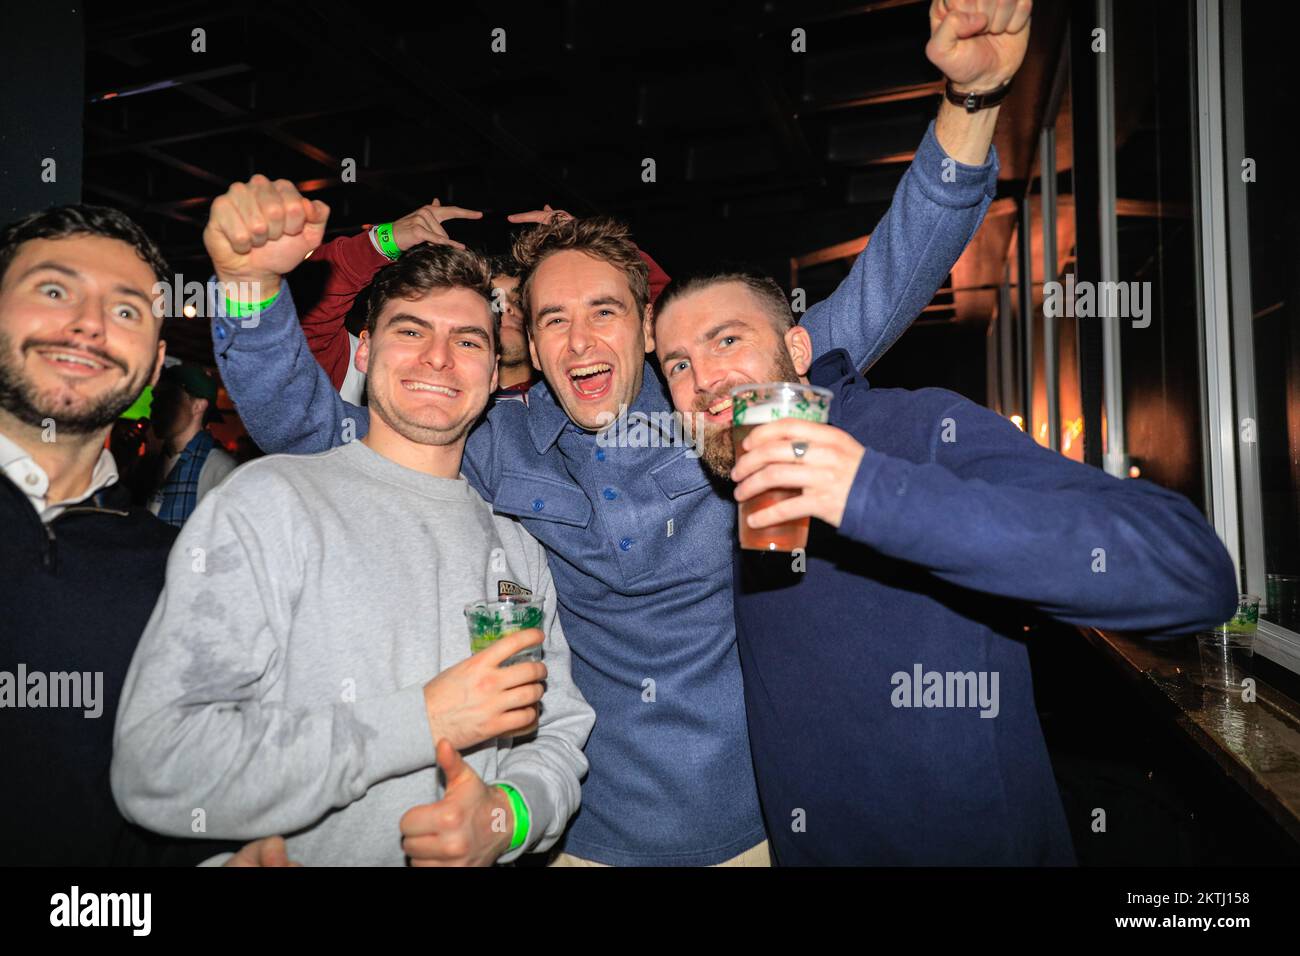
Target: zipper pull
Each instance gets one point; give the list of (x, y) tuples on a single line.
[(48, 555)]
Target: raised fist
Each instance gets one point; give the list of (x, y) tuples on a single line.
[(261, 230), (978, 44)]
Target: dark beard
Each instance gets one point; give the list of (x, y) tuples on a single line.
[(718, 453), (20, 399)]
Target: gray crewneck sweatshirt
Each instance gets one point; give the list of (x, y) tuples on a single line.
[(278, 687)]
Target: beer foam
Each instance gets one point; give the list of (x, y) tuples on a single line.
[(760, 412)]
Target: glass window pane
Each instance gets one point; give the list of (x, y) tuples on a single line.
[(1155, 180), (1273, 213)]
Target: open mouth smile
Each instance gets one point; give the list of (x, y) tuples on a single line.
[(720, 410), (591, 381), (73, 361)]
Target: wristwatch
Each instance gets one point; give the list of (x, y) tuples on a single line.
[(973, 102)]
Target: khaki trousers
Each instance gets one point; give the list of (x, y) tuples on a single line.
[(754, 856)]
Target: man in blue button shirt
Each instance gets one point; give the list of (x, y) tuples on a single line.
[(887, 686), (636, 534)]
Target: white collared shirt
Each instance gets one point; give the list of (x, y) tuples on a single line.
[(23, 471)]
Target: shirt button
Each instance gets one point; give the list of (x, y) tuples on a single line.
[(610, 494), (31, 479), (538, 504), (600, 454), (626, 544)]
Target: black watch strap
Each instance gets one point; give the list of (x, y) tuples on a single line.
[(973, 102)]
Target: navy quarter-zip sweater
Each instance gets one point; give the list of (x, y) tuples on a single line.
[(959, 529), (75, 595)]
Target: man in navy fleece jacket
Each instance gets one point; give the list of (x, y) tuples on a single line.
[(887, 691)]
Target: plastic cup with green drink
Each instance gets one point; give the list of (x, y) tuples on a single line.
[(489, 621)]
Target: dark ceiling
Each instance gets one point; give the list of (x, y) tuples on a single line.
[(762, 154)]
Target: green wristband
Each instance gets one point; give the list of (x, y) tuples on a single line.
[(521, 815), (384, 236), (241, 309)]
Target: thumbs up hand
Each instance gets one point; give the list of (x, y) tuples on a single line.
[(472, 825)]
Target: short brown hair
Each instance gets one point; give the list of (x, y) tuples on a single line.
[(428, 267), (766, 289), (61, 222), (600, 237)]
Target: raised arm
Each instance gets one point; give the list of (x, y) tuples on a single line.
[(257, 233), (942, 197), (350, 263)]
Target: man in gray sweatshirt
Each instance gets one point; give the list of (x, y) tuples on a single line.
[(307, 669)]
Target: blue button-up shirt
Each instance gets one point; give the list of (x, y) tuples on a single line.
[(639, 545), (643, 576)]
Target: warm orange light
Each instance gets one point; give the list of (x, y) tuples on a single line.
[(1018, 422), (1134, 471), (190, 310), (1070, 432)]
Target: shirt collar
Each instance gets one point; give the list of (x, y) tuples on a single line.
[(828, 370), (10, 452), (201, 441), (547, 418), (20, 468)]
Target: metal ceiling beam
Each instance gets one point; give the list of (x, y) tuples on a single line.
[(317, 185), (131, 203), (252, 122)]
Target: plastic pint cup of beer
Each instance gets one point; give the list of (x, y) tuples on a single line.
[(489, 621), (754, 405)]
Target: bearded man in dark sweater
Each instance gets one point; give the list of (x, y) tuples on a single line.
[(80, 569)]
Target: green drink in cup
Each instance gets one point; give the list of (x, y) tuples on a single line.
[(489, 621)]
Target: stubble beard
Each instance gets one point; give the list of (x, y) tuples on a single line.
[(514, 357), (34, 408), (717, 450), (415, 431)]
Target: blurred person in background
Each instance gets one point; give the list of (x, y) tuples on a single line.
[(185, 403)]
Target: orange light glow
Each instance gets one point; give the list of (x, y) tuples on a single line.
[(1134, 471), (1070, 432), (1018, 422)]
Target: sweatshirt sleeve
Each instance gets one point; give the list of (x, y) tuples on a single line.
[(548, 767), (995, 512), (201, 733), (284, 398), (351, 262), (938, 205)]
